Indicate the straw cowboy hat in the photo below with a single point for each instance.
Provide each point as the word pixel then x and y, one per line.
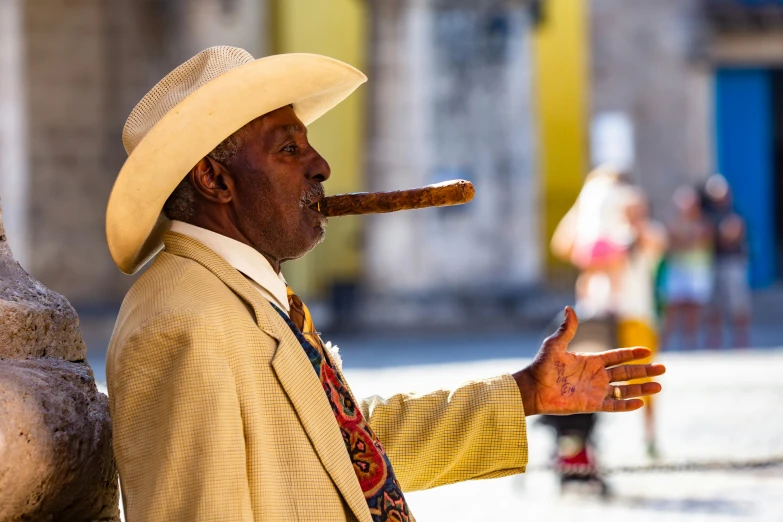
pixel 192 110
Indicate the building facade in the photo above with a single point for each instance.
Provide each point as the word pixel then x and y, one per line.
pixel 700 83
pixel 450 97
pixel 504 93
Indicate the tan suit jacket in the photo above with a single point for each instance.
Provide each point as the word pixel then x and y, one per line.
pixel 218 414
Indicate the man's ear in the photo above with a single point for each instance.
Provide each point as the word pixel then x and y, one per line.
pixel 212 181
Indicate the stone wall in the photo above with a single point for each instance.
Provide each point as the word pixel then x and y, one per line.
pixel 73 73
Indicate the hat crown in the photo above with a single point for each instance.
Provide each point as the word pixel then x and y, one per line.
pixel 178 85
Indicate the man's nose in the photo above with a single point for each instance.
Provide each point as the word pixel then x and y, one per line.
pixel 319 168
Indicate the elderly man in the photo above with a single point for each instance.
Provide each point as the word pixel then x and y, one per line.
pixel 226 404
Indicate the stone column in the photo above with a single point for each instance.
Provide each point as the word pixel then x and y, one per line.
pixel 450 97
pixel 56 459
pixel 13 124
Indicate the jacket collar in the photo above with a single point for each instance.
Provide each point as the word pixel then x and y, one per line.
pixel 293 369
pixel 184 246
pixel 251 263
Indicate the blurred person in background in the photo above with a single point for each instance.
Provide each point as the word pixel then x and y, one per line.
pixel 595 236
pixel 637 318
pixel 689 268
pixel 731 296
pixel 609 236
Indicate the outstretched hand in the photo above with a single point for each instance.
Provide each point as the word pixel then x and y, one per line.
pixel 559 382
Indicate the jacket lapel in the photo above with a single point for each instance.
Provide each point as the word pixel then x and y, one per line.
pixel 293 369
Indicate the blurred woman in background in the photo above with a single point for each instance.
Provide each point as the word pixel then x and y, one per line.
pixel 595 237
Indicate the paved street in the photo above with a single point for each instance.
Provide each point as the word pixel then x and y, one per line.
pixel 715 406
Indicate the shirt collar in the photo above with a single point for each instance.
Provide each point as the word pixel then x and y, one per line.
pixel 243 257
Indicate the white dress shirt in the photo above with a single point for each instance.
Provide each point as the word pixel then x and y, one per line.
pixel 244 258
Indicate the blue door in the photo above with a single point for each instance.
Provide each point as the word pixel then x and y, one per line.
pixel 744 142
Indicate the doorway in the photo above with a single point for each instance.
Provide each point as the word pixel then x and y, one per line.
pixel 749 146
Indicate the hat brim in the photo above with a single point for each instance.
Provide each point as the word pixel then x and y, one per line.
pixel 312 84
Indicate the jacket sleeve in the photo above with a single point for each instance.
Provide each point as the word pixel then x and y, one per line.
pixel 178 436
pixel 476 431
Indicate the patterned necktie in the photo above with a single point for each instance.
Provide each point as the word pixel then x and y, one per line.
pixel 373 469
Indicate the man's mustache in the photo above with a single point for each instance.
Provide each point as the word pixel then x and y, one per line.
pixel 314 194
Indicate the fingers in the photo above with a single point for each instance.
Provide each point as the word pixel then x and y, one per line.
pixel 624 355
pixel 613 405
pixel 565 333
pixel 629 372
pixel 623 398
pixel 630 391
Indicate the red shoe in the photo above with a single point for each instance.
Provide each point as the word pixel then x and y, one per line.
pixel 575 458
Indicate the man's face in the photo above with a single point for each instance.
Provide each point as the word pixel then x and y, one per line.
pixel 278 175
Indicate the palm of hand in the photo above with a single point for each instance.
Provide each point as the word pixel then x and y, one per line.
pixel 568 382
pixel 559 382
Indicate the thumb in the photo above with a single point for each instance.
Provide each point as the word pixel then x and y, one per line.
pixel 565 333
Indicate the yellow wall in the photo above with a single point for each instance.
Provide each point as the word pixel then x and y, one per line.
pixel 335 28
pixel 561 52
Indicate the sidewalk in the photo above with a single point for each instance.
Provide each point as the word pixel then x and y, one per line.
pixel 715 406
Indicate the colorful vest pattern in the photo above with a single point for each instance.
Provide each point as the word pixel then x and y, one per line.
pixel 373 468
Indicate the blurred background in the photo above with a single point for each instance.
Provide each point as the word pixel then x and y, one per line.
pixel 524 98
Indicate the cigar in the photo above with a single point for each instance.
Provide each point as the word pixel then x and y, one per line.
pixel 446 194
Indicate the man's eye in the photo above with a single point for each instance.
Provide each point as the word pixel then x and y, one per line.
pixel 290 149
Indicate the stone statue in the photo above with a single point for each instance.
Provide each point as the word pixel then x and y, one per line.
pixel 56 459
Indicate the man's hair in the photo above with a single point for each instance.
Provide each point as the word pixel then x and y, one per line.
pixel 181 204
pixel 227 149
